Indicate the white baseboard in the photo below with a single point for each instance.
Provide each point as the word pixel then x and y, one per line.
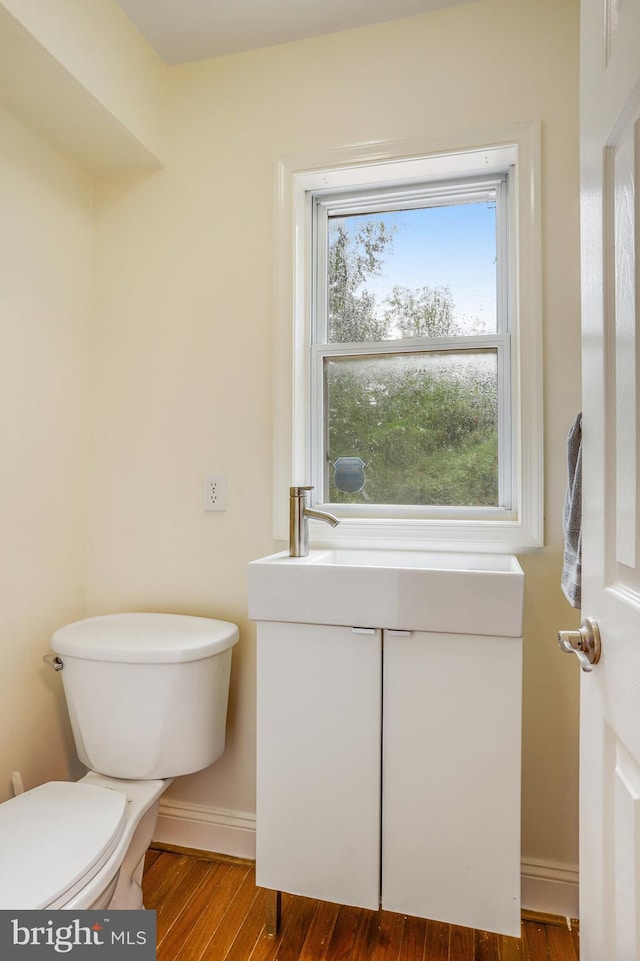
pixel 550 887
pixel 207 828
pixel 547 887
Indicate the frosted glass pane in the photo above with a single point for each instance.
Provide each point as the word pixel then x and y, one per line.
pixel 424 424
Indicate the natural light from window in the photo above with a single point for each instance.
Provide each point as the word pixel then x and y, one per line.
pixel 450 248
pixel 409 354
pixel 408 405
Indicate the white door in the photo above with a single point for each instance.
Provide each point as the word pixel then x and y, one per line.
pixel 610 696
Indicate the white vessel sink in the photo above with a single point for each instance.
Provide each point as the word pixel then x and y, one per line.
pixel 402 590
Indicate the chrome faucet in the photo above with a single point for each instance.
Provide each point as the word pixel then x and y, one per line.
pixel 299 512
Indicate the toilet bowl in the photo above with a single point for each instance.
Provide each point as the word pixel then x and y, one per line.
pixel 147 700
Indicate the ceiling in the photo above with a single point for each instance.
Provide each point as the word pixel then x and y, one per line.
pixel 185 30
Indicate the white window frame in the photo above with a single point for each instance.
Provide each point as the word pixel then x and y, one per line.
pixel 465 155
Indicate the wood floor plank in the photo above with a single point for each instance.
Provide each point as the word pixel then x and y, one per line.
pixel 366 937
pixel 196 939
pixel 534 936
pixel 176 898
pixel 152 855
pixel 436 943
pixel 251 929
pixel 461 943
pixel 295 929
pixel 487 946
pixel 575 937
pixel 212 895
pixel 155 876
pixel 164 875
pixel 511 949
pixel 344 933
pixel 297 916
pixel 389 937
pixel 223 937
pixel 414 934
pixel 318 937
pixel 267 947
pixel 561 946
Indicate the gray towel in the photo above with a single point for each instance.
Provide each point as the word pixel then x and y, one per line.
pixel 572 518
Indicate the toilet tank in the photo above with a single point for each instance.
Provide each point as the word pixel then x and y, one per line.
pixel 147 693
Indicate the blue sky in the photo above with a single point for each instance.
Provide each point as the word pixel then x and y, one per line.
pixel 453 246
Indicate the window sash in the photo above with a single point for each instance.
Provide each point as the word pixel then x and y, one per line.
pixel 325 204
pixel 501 343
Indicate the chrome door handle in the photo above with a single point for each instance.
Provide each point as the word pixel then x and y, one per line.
pixel 585 643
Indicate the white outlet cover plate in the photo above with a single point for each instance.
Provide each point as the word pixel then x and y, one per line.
pixel 214 492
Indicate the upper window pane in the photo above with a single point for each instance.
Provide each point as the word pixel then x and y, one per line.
pixel 427 271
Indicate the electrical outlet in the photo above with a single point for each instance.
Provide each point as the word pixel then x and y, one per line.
pixel 214 494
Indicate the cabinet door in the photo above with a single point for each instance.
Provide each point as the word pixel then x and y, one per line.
pixel 451 779
pixel 319 729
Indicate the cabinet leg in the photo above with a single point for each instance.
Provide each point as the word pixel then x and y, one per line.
pixel 273 912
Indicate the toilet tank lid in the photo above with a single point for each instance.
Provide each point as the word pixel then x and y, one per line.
pixel 145 638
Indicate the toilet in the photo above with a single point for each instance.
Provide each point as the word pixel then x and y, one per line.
pixel 147 700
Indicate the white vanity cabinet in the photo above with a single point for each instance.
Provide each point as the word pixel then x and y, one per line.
pixel 389 770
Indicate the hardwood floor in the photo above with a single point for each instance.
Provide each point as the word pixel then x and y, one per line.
pixel 211 910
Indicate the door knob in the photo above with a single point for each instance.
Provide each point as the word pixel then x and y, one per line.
pixel 585 643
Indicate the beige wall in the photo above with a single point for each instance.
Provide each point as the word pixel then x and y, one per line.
pixel 184 274
pixel 83 74
pixel 45 257
pixel 177 379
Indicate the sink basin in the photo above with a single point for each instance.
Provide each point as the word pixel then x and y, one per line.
pixel 422 560
pixel 458 593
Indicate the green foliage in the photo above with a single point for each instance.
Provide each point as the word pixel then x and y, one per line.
pixel 352 308
pixel 425 312
pixel 427 436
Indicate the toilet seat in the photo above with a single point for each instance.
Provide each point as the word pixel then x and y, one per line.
pixel 54 839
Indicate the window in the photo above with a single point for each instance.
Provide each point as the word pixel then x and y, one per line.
pixel 410 356
pixel 408 360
